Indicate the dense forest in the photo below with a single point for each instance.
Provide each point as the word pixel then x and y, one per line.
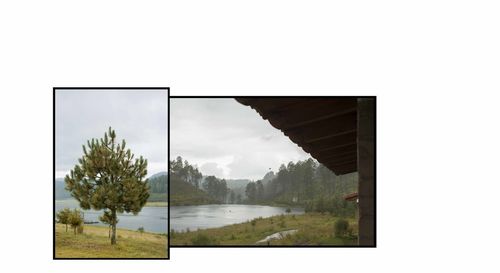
pixel 158 188
pixel 304 183
pixel 185 183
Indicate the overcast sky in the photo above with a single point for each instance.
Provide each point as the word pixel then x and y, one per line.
pixel 227 139
pixel 139 117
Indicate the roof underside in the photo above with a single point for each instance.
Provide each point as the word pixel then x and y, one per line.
pixel 323 127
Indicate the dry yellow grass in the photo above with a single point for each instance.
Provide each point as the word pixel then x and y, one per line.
pixel 94 243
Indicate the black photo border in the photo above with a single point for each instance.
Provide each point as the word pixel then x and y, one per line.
pixel 97 89
pixel 286 97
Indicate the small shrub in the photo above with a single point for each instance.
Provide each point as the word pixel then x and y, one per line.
pixel 201 240
pixel 253 222
pixel 288 210
pixel 140 230
pixel 75 219
pixel 341 227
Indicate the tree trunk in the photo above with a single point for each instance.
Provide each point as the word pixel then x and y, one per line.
pixel 113 227
pixel 66 227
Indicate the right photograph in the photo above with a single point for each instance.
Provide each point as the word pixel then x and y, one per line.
pixel 272 171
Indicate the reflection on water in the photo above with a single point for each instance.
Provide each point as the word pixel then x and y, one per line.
pixel 153 219
pixel 210 216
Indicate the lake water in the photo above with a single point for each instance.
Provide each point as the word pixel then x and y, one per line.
pixel 153 219
pixel 211 216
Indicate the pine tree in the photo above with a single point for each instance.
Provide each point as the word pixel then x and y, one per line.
pixel 75 219
pixel 63 217
pixel 107 219
pixel 108 178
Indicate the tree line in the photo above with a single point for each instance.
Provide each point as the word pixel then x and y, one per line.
pixel 309 184
pixel 215 188
pixel 304 183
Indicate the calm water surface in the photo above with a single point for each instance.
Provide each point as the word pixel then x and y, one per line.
pixel 153 219
pixel 211 216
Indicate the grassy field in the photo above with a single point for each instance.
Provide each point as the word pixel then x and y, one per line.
pixel 94 243
pixel 156 204
pixel 313 229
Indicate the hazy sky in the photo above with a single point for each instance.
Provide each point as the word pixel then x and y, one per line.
pixel 227 139
pixel 139 117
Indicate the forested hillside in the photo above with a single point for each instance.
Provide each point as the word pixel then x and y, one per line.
pixel 304 183
pixel 158 187
pixel 183 193
pixel 186 184
pixel 309 184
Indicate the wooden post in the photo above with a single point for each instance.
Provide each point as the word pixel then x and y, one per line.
pixel 366 171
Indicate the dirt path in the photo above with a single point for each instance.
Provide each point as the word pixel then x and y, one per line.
pixel 277 236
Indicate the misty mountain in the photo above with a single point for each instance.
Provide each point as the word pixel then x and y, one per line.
pixel 238 186
pixel 237 183
pixel 61 193
pixel 158 175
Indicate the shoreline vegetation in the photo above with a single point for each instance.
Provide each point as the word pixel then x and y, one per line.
pixel 93 242
pixel 313 228
pixel 329 219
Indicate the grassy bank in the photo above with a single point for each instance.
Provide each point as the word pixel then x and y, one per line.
pixel 94 243
pixel 313 229
pixel 156 204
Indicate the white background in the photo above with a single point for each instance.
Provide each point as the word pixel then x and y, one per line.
pixel 434 66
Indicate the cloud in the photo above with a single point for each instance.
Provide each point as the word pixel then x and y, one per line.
pixel 212 168
pixel 139 117
pixel 230 135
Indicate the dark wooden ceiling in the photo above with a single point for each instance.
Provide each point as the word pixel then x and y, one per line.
pixel 323 127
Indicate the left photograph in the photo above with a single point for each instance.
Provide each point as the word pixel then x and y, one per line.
pixel 110 173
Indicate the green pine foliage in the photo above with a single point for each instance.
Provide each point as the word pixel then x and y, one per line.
pixel 216 188
pixel 186 186
pixel 108 178
pixel 63 217
pixel 313 186
pixel 75 219
pixel 183 193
